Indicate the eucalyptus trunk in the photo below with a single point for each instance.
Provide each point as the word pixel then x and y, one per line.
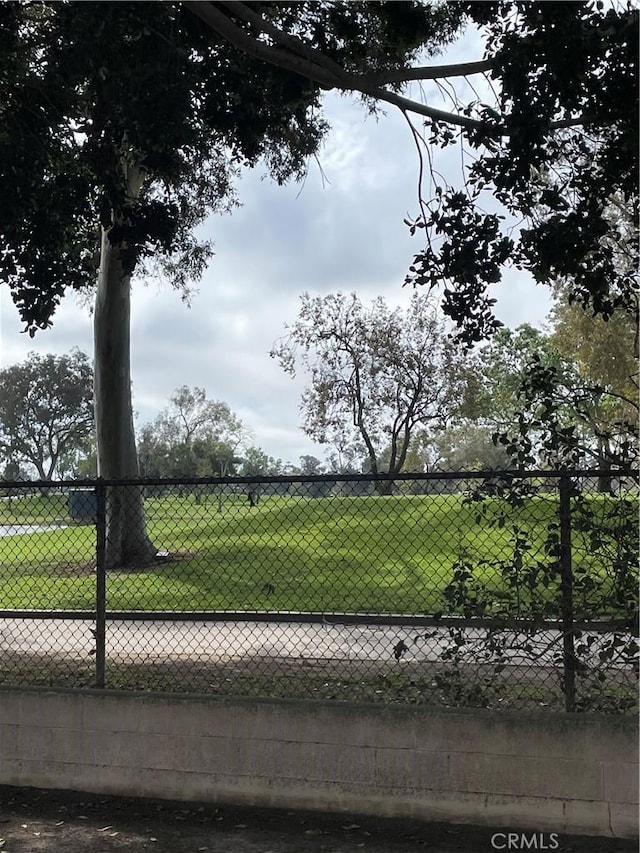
pixel 605 481
pixel 127 542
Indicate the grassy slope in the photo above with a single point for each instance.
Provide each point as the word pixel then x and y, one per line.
pixel 367 554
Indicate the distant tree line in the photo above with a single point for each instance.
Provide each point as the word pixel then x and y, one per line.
pixel 47 429
pixel 388 391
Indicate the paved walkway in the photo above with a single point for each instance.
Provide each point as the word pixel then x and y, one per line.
pixel 224 639
pixel 21 529
pixel 227 640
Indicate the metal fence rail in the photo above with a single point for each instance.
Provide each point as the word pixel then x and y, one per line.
pixel 506 589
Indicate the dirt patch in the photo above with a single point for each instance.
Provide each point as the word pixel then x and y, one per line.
pixel 73 570
pixel 84 569
pixel 416 683
pixel 34 821
pixel 162 558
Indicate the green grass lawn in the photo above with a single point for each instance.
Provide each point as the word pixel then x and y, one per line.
pixel 363 554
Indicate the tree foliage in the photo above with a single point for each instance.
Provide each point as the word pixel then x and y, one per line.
pixel 192 437
pixel 256 462
pixel 553 137
pixel 605 352
pixel 557 142
pixel 558 145
pixel 46 411
pixel 544 408
pixel 376 374
pixel 504 365
pixel 469 447
pixel 88 89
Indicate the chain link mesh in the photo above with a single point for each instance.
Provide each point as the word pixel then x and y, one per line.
pixel 464 590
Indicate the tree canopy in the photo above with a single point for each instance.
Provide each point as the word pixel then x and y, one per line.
pixel 192 437
pixel 556 148
pixel 91 92
pixel 46 412
pixel 553 138
pixel 545 406
pixel 376 374
pixel 605 352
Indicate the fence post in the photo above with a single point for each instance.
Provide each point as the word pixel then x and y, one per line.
pixel 566 595
pixel 101 582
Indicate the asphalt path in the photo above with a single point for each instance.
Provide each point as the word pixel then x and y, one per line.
pixel 21 529
pixel 218 641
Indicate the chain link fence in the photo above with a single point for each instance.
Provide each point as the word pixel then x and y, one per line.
pixel 505 590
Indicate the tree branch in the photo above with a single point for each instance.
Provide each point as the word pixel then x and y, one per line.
pixel 430 72
pixel 221 24
pixel 241 10
pixel 312 64
pixel 320 70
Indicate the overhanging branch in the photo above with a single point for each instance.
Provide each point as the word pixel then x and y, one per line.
pixel 320 69
pixel 221 24
pixel 293 54
pixel 431 72
pixel 292 43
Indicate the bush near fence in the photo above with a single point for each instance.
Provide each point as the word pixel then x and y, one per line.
pixel 498 590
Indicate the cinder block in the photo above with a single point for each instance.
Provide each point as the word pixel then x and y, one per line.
pixel 355 765
pixel 526 813
pixel 85 748
pixel 49 773
pixel 526 776
pixel 531 734
pixel 396 769
pixel 206 754
pixel 112 713
pixel 430 771
pixel 530 771
pixel 119 748
pixel 263 724
pixel 458 733
pixel 315 762
pixel 623 820
pixel 9 740
pixel 366 730
pixel 10 709
pixel 13 772
pixel 620 782
pixel 43 743
pixel 39 708
pixel 320 764
pixel 178 716
pixel 164 751
pixel 585 818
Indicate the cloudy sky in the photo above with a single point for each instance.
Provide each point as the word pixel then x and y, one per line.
pixel 341 230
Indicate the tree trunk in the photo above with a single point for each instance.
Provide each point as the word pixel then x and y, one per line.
pixel 384 487
pixel 605 481
pixel 127 543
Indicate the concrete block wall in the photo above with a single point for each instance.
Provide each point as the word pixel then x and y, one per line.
pixel 529 771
